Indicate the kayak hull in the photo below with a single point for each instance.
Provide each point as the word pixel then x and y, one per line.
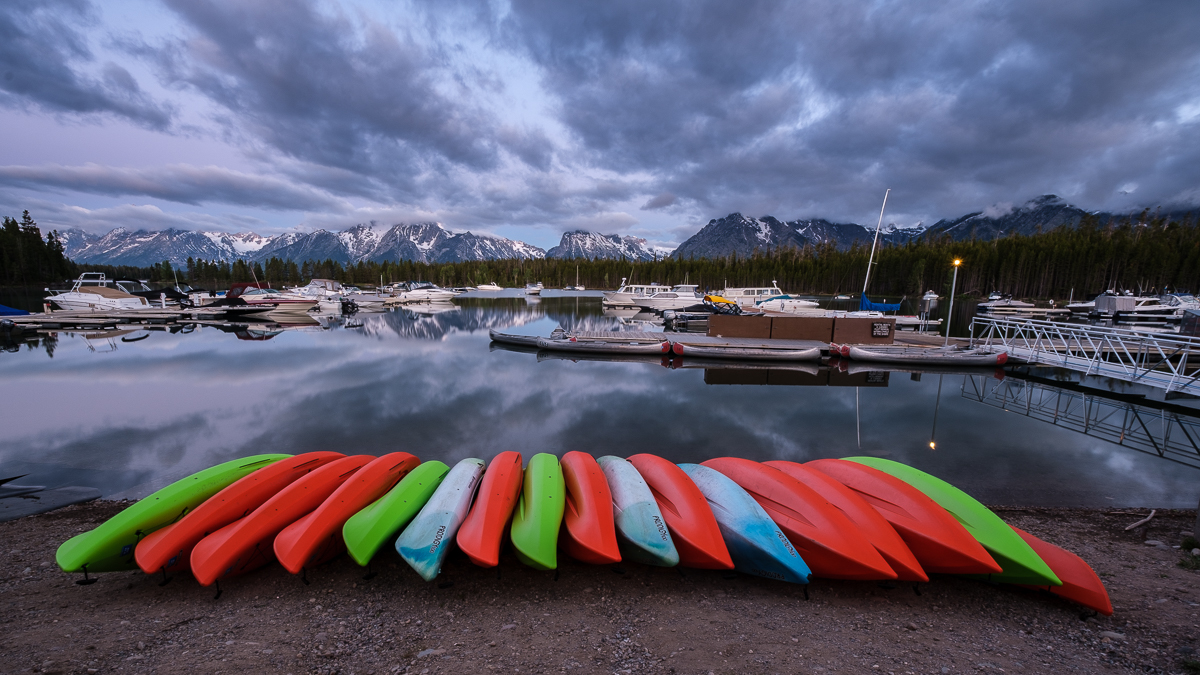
pixel 482 533
pixel 247 544
pixel 588 532
pixel 756 544
pixel 426 541
pixel 642 533
pixel 110 547
pixel 1080 584
pixel 693 528
pixel 829 543
pixel 873 526
pixel 170 548
pixel 539 513
pixel 937 540
pixel 317 537
pixel 368 530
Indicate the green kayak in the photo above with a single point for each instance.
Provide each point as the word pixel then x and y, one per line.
pixel 1019 562
pixel 109 548
pixel 539 513
pixel 379 522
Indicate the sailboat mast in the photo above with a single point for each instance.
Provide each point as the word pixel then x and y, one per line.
pixel 871 261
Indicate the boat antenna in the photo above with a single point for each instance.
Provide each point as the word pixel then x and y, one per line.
pixel 871 261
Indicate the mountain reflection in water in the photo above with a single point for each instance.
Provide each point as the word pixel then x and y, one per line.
pixel 427 380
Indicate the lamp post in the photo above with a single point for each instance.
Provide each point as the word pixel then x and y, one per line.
pixel 953 285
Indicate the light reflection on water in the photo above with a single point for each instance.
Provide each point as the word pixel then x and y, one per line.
pixel 130 413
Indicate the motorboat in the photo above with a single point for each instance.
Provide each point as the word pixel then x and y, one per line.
pixel 678 297
pixel 627 293
pixel 787 305
pixel 751 296
pixel 1003 302
pixel 422 291
pixel 534 289
pixel 1128 305
pixel 489 287
pixel 93 292
pixel 1179 302
pixel 141 288
pixel 256 298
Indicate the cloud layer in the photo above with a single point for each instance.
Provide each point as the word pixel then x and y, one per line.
pixel 641 118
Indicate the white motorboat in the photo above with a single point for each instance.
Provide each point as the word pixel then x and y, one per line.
pixel 751 296
pixel 1179 302
pixel 534 289
pixel 1128 305
pixel 683 295
pixel 1003 302
pixel 92 292
pixel 627 293
pixel 489 287
pixel 787 305
pixel 320 288
pixel 423 291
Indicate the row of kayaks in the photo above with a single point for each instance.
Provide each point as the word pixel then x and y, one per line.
pixel 857 518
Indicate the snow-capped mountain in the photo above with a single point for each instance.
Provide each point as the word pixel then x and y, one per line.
pixel 143 248
pixel 738 234
pixel 592 246
pixel 1044 213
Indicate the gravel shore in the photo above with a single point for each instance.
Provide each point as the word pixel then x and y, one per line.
pixel 624 619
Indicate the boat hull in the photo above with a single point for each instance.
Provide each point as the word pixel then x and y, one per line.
pixel 746 353
pixel 589 347
pixel 426 541
pixel 642 533
pixel 693 528
pixel 482 533
pixel 589 532
pixel 539 513
pixel 368 530
pixel 931 357
pixel 1080 584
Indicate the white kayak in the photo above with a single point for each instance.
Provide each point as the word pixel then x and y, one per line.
pixel 755 542
pixel 939 357
pixel 427 539
pixel 642 533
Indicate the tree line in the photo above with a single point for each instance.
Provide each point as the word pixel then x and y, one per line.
pixel 1140 253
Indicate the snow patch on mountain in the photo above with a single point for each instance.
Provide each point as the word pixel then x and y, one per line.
pixel 593 246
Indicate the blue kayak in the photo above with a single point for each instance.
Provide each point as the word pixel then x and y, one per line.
pixel 642 533
pixel 427 539
pixel 755 542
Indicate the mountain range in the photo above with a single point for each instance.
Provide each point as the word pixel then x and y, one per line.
pixel 432 243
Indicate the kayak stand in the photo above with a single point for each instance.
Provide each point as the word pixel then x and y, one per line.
pixel 166 579
pixel 86 581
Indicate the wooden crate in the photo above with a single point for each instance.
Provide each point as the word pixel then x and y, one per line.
pixel 818 328
pixel 731 326
pixel 864 331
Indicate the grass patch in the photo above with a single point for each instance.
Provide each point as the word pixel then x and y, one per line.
pixel 1190 562
pixel 1189 543
pixel 1190 666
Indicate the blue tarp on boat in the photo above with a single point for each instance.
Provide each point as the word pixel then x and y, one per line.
pixel 865 305
pixel 9 311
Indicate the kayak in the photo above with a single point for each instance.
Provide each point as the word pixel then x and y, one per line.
pixel 747 353
pixel 317 537
pixel 824 537
pixel 910 355
pixel 1079 582
pixel 755 542
pixel 873 526
pixel 428 538
pixel 366 531
pixel 170 548
pixel 588 533
pixel 693 528
pixel 937 540
pixel 539 513
pixel 597 347
pixel 110 547
pixel 642 534
pixel 246 543
pixel 1019 562
pixel 483 531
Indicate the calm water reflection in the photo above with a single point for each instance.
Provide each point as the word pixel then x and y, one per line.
pixel 129 413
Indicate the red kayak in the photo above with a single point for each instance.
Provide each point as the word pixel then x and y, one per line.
pixel 938 541
pixel 170 549
pixel 873 526
pixel 317 537
pixel 483 530
pixel 1079 582
pixel 588 531
pixel 690 520
pixel 828 542
pixel 246 544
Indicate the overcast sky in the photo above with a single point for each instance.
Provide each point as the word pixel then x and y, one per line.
pixel 531 117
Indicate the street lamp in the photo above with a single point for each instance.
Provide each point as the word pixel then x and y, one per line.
pixel 953 284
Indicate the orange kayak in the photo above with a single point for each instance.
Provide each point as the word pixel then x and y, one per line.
pixel 246 544
pixel 317 537
pixel 483 531
pixel 938 541
pixel 690 520
pixel 1080 584
pixel 828 542
pixel 170 549
pixel 873 526
pixel 589 533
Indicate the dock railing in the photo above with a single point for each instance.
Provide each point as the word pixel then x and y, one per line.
pixel 1153 359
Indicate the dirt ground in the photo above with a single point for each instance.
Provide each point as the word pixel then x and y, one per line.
pixel 624 619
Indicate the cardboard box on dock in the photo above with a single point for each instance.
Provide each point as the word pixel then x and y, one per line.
pixel 864 330
pixel 730 326
pixel 818 328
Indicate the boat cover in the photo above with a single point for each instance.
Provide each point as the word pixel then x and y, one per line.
pixel 9 311
pixel 865 305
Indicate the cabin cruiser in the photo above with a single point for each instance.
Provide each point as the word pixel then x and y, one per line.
pixel 1002 302
pixel 93 292
pixel 142 289
pixel 422 291
pixel 752 296
pixel 489 287
pixel 1127 305
pixel 257 298
pixel 678 297
pixel 534 289
pixel 627 293
pixel 787 305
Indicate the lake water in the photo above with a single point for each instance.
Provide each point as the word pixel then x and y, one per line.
pixel 130 412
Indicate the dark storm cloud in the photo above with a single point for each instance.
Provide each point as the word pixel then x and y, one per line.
pixel 177 183
pixel 814 104
pixel 43 45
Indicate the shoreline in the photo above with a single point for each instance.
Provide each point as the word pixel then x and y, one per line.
pixel 596 620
